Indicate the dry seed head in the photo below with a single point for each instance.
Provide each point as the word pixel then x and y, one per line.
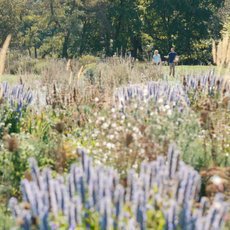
pixel 12 144
pixel 214 54
pixel 204 117
pixel 184 82
pixel 20 80
pixel 26 205
pixel 69 65
pixel 71 99
pixel 19 221
pixel 226 101
pixel 1 94
pixel 128 139
pixel 28 175
pixel 54 90
pixel 60 127
pixel 74 95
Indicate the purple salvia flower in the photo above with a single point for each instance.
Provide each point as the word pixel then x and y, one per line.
pixel 58 194
pixel 53 200
pixel 35 171
pixel 71 189
pixel 44 224
pixel 28 194
pixel 13 206
pixel 77 210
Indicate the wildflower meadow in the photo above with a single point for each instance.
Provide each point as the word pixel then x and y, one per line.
pixel 114 115
pixel 126 147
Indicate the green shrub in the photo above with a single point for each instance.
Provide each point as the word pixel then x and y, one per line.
pixel 88 59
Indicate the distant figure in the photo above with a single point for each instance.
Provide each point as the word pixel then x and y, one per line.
pixel 172 58
pixel 156 58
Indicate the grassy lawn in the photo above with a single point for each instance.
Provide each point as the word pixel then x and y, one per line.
pixel 195 69
pixel 14 79
pixel 180 70
pixel 10 78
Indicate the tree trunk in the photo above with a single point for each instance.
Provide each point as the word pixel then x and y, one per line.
pixel 136 46
pixel 82 43
pixel 29 52
pixel 65 46
pixel 35 53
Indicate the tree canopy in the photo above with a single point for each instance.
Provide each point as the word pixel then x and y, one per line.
pixel 70 28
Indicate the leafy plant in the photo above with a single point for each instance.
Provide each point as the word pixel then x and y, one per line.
pixel 14 104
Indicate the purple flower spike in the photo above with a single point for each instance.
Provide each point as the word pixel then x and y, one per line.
pixel 165 187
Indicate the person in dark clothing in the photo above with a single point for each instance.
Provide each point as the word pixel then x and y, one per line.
pixel 172 57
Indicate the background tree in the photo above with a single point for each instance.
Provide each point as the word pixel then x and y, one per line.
pixel 72 28
pixel 182 23
pixel 10 13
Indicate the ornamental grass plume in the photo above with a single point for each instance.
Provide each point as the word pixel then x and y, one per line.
pixel 80 72
pixel 3 53
pixel 221 51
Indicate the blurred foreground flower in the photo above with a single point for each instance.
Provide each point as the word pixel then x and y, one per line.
pixel 161 196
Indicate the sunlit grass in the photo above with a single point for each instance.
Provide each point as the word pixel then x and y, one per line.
pixel 15 79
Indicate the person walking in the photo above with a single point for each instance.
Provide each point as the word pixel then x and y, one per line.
pixel 156 58
pixel 172 58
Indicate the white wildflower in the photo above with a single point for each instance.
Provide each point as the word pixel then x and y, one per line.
pixel 169 112
pixel 114 125
pixel 167 107
pixel 110 145
pixel 105 125
pixel 141 108
pixel 160 100
pixel 216 180
pixel 113 110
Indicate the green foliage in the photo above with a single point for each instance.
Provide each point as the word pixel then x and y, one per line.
pixel 88 59
pixel 6 222
pixel 182 24
pixel 10 119
pixel 155 219
pixel 14 166
pixel 10 17
pixel 19 63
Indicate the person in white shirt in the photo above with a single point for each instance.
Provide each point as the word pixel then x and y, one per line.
pixel 156 58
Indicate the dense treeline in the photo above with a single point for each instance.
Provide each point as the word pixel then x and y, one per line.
pixel 70 28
